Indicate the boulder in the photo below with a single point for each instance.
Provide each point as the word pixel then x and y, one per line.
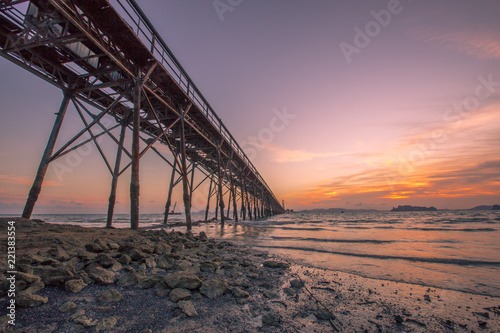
pixel 27 300
pixel 150 262
pixel 86 255
pixel 162 248
pixel 102 276
pixel 124 259
pixel 97 246
pixel 75 285
pixel 203 236
pixel 213 288
pixel 162 262
pixel 106 324
pixel 239 293
pixel 110 295
pixel 53 276
pixel 149 282
pixel 105 260
pixel 296 283
pixel 129 279
pixel 179 294
pixel 136 254
pixel 187 308
pixel 185 280
pixel 59 253
pixel 67 307
pixel 28 278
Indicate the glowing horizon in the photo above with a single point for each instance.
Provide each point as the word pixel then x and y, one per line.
pixel 411 117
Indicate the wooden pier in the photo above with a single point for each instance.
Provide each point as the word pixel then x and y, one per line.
pixel 109 60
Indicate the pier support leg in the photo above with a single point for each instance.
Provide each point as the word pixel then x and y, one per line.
pixel 243 208
pixel 44 163
pixel 185 184
pixel 134 181
pixel 116 172
pixel 169 195
pixel 221 194
pixel 208 199
pixel 235 207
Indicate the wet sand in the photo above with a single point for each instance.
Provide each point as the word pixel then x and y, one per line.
pixel 118 280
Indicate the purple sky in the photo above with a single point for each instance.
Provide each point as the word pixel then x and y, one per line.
pixel 405 112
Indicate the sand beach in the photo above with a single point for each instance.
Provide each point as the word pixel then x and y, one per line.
pixel 71 278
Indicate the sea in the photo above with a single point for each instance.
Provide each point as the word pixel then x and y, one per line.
pixel 452 250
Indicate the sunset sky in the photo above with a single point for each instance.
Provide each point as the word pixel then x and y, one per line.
pixel 352 104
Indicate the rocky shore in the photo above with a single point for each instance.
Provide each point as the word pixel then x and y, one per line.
pixel 72 279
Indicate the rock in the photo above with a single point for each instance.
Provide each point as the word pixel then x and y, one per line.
pixel 203 236
pixel 253 275
pixel 53 276
pixel 74 286
pixel 85 321
pixel 106 324
pixel 28 278
pixel 324 315
pixel 136 254
pixel 246 262
pixel 162 248
pixel 398 319
pixel 124 259
pixel 59 253
pixel 179 294
pixel 129 279
pixel 26 300
pixel 289 291
pixel 149 282
pixel 162 292
pixel 105 260
pixel 74 264
pixel 111 295
pixel 112 245
pixel 77 314
pixel 68 306
pixel 296 283
pixel 213 288
pixel 188 308
pixel 116 267
pixel 34 287
pixel 271 294
pixel 163 263
pixel 102 276
pixel 269 319
pixel 275 264
pixel 86 255
pixel 96 246
pixel 185 280
pixel 150 262
pixel 239 293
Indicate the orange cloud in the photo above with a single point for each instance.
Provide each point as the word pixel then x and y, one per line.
pixel 9 179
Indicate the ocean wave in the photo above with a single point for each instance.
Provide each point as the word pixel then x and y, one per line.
pixel 449 261
pixel 328 240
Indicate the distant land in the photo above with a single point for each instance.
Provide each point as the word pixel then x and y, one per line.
pixel 404 208
pixel 486 207
pixel 335 210
pixel 409 208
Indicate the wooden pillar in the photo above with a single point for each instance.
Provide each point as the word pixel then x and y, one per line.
pixel 44 162
pixel 184 173
pixel 208 199
pixel 249 205
pixel 221 195
pixel 243 190
pixel 169 195
pixel 235 207
pixel 116 172
pixel 229 203
pixel 261 202
pixel 134 181
pixel 255 203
